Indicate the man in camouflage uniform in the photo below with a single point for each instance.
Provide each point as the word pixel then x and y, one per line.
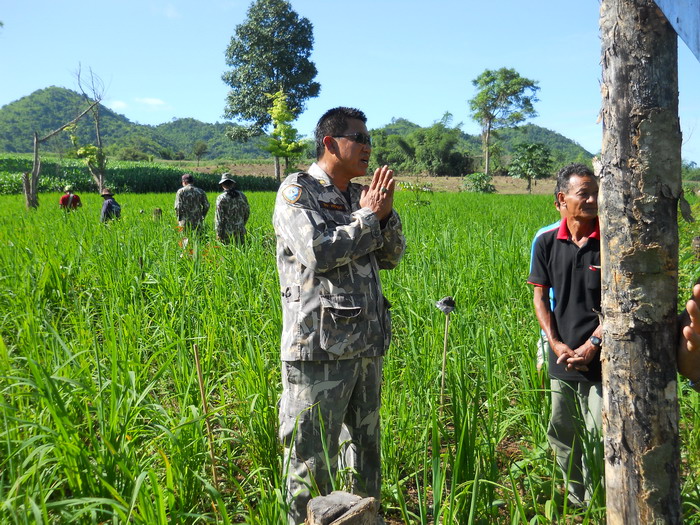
pixel 333 237
pixel 191 205
pixel 232 211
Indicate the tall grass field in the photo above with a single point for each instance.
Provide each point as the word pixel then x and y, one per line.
pixel 102 417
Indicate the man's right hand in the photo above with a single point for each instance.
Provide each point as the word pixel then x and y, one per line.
pixel 379 195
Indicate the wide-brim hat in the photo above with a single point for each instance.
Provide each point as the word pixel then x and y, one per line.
pixel 106 192
pixel 227 177
pixel 68 188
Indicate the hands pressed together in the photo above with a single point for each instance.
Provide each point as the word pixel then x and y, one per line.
pixel 379 195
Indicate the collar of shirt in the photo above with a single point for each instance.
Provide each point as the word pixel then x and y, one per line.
pixel 564 234
pixel 321 176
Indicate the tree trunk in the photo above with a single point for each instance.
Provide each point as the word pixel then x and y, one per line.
pixel 640 187
pixel 487 148
pixel 98 176
pixel 30 181
pixel 278 169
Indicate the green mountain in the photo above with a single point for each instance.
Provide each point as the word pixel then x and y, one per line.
pixel 563 149
pixel 48 109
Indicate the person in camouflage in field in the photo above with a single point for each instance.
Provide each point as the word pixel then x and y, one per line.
pixel 333 237
pixel 231 212
pixel 191 205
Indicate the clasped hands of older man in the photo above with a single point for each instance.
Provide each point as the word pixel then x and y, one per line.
pixel 688 354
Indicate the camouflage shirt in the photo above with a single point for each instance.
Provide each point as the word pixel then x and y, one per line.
pixel 191 206
pixel 329 255
pixel 232 212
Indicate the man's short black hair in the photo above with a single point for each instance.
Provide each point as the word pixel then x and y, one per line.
pixel 334 122
pixel 188 178
pixel 565 174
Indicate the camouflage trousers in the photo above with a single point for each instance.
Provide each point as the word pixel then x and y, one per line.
pixel 319 400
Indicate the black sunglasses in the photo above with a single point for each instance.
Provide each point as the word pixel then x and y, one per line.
pixel 360 138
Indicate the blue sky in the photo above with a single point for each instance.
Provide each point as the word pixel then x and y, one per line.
pixel 163 59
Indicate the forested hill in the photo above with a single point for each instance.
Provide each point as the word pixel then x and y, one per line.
pixel 48 109
pixel 563 149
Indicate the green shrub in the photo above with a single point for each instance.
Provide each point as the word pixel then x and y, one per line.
pixel 478 183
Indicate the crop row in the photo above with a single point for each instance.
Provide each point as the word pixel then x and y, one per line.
pixel 121 176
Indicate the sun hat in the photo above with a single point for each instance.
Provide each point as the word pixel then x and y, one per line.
pixel 226 177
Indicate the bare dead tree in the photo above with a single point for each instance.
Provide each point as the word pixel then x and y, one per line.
pixel 30 181
pixel 640 191
pixel 92 88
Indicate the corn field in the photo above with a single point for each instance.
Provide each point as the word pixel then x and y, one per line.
pixel 102 416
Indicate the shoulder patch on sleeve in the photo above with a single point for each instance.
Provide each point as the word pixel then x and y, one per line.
pixel 292 193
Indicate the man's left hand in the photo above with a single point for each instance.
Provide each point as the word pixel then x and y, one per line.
pixel 689 346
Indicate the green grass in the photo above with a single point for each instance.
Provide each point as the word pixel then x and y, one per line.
pixel 101 415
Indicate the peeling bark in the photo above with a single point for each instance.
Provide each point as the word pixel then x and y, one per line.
pixel 640 187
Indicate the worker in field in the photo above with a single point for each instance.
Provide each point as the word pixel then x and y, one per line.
pixel 191 205
pixel 567 259
pixel 231 212
pixel 69 201
pixel 333 237
pixel 110 207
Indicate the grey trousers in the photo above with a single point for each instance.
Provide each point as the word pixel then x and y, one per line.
pixel 575 435
pixel 319 398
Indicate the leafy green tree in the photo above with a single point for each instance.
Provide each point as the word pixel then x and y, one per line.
pixel 132 153
pixel 690 170
pixel 393 150
pixel 284 141
pixel 199 149
pixel 436 149
pixel 432 151
pixel 269 52
pixel 503 99
pixel 530 162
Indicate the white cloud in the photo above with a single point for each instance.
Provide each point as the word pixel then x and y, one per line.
pixel 153 103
